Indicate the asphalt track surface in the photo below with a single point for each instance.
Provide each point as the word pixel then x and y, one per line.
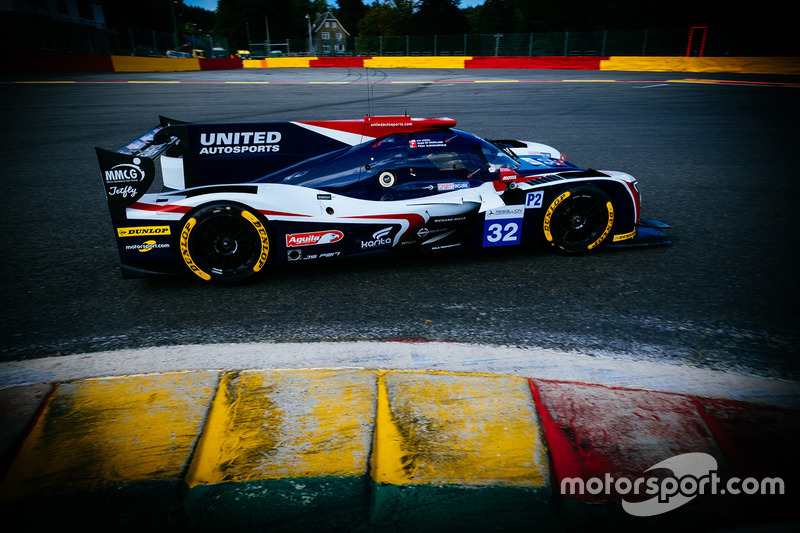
pixel 714 160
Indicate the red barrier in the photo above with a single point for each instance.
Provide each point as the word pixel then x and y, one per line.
pixel 562 62
pixel 225 63
pixel 54 62
pixel 341 62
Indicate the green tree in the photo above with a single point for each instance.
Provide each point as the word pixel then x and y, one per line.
pixel 441 17
pixel 146 14
pixel 387 17
pixel 504 16
pixel 349 13
pixel 286 19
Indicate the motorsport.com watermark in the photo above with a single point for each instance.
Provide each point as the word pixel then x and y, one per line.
pixel 694 474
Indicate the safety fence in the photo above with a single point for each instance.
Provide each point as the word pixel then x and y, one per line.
pixel 679 42
pixel 26 33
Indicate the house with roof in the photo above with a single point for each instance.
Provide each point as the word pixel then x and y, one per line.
pixel 330 37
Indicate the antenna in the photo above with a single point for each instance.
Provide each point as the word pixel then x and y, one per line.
pixel 369 94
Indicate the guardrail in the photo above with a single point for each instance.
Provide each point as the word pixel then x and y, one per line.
pixel 59 62
pixel 46 62
pixel 748 65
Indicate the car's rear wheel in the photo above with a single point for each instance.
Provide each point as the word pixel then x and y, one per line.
pixel 224 243
pixel 579 219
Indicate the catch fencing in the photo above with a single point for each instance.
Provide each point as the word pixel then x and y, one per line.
pixel 752 41
pixel 26 34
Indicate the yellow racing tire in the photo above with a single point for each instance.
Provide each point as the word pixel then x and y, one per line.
pixel 224 243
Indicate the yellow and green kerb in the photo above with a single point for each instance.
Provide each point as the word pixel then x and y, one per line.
pixel 311 449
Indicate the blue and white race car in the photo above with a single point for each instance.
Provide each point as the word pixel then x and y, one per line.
pixel 236 199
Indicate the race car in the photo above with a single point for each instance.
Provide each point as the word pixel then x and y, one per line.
pixel 236 199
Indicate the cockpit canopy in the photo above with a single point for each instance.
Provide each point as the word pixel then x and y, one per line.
pixel 401 165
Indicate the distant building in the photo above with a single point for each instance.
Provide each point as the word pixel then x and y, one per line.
pixel 330 37
pixel 53 25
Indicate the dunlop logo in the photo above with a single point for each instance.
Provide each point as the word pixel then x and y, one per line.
pixel 143 231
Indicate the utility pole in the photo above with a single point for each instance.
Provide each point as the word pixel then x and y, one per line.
pixel 174 23
pixel 497 44
pixel 269 48
pixel 310 44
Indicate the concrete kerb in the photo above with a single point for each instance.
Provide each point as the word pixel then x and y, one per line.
pixel 202 437
pixel 453 357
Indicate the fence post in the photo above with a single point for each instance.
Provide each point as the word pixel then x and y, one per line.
pixel 644 44
pixel 566 43
pixel 603 48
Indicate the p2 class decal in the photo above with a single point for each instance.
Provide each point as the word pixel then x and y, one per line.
pixel 503 226
pixel 126 178
pixel 533 200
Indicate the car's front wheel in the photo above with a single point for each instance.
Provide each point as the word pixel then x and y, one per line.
pixel 224 243
pixel 579 219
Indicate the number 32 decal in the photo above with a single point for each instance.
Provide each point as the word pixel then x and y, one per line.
pixel 503 226
pixel 498 234
pixel 502 232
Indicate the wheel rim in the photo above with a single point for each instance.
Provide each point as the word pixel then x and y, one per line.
pixel 581 221
pixel 225 245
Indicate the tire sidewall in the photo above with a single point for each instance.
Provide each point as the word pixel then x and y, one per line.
pixel 202 214
pixel 560 201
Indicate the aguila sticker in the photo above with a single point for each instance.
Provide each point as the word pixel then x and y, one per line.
pixel 314 238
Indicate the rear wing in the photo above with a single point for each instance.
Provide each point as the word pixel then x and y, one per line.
pixel 194 155
pixel 129 171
